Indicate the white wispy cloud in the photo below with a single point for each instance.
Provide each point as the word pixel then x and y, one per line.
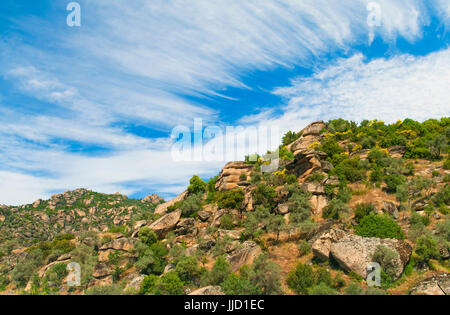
pixel 389 89
pixel 134 62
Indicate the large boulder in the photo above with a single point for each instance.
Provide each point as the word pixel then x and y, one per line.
pixel 155 199
pixel 162 208
pixel 318 203
pixel 391 208
pixel 435 285
pixel 122 244
pixel 353 253
pixel 101 271
pixel 314 188
pixel 186 226
pixel 166 224
pixel 321 244
pixel 244 256
pixel 305 163
pixel 230 176
pixel 397 151
pixel 309 136
pixel 211 290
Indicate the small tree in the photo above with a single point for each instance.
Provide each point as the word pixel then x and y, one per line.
pixel 197 186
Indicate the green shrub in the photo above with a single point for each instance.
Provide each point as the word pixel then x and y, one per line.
pixel 197 186
pixel 264 195
pixel 387 259
pixel 148 285
pixel 169 284
pixel 393 181
pixel 336 210
pixel 304 280
pixel 322 289
pixel 331 147
pixel 304 248
pixel 237 285
pixel 231 199
pixel 226 222
pixel 219 272
pixel 147 236
pixel 188 269
pixel 191 205
pixel 379 226
pixel 426 249
pixel 264 275
pixel 364 209
pixel 447 164
pixel 105 290
pixel 289 137
pixel 349 170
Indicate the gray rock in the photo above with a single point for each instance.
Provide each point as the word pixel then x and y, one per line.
pixel 435 285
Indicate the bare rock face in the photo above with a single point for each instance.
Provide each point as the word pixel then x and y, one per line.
pixel 166 224
pixel 306 162
pixel 321 244
pixel 155 199
pixel 204 215
pixel 318 203
pixel 397 151
pixel 135 282
pixel 162 208
pixel 309 136
pixel 230 177
pixel 248 201
pixel 435 285
pixel 244 256
pixel 391 208
pixel 283 208
pixel 123 244
pixel 354 253
pixel 233 234
pixel 186 226
pixel 211 290
pixel 314 188
pixel 101 271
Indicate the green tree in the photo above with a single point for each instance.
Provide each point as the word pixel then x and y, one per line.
pixel 380 226
pixel 197 186
pixel 169 284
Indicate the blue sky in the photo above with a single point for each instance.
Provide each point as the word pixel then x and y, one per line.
pixel 94 106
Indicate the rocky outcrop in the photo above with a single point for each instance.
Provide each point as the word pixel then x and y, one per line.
pixel 435 285
pixel 397 151
pixel 101 271
pixel 230 176
pixel 305 163
pixel 211 290
pixel 186 226
pixel 166 224
pixel 353 253
pixel 310 136
pixel 314 188
pixel 162 208
pixel 391 208
pixel 244 256
pixel 135 282
pixel 318 203
pixel 321 244
pixel 122 244
pixel 155 199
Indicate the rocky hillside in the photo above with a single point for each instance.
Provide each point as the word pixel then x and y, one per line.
pixel 345 196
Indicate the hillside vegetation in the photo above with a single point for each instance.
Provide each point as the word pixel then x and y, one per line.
pixel 345 195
